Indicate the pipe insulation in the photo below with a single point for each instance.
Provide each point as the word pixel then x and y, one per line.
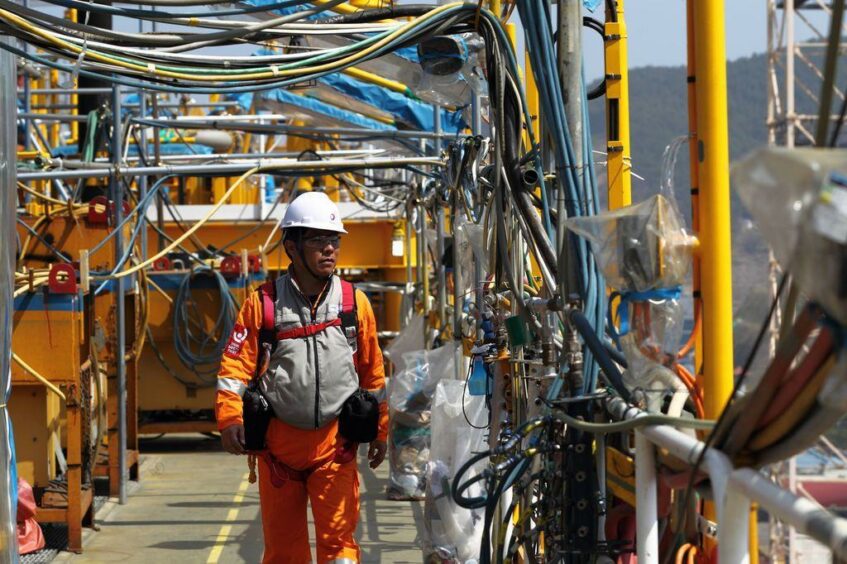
pixel 8 205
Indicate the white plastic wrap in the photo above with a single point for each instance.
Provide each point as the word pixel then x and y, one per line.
pixel 639 247
pixel 644 252
pixel 798 198
pixel 453 533
pixel 450 70
pixel 471 240
pixel 410 404
pixel 411 338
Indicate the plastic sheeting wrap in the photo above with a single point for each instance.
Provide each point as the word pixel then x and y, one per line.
pixel 644 252
pixel 798 198
pixel 411 338
pixel 459 426
pixel 450 70
pixel 410 403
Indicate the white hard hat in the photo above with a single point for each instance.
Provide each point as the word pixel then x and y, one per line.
pixel 313 210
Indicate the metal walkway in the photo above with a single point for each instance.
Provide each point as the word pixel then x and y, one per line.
pixel 194 505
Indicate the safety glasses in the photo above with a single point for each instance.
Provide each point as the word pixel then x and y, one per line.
pixel 321 241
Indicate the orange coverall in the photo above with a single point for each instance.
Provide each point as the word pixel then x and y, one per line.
pixel 332 488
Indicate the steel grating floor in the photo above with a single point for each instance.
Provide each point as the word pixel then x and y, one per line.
pixel 56 534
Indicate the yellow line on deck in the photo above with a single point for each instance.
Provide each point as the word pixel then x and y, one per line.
pixel 226 529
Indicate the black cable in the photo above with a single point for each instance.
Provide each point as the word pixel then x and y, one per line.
pixel 837 130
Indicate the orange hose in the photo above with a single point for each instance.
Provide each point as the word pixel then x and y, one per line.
pixel 680 553
pixel 692 553
pixel 695 331
pixel 693 389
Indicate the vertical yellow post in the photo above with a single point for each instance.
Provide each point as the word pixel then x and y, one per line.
pixel 55 99
pixel 532 101
pixel 715 229
pixel 619 161
pixel 72 15
pixel 496 8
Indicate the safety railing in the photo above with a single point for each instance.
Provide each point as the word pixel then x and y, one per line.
pixel 734 489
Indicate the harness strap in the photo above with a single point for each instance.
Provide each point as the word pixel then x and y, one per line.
pixel 348 297
pixel 268 293
pixel 281 473
pixel 307 330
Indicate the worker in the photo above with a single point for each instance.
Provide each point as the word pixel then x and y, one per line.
pixel 316 364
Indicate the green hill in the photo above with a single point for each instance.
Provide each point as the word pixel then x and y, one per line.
pixel 659 113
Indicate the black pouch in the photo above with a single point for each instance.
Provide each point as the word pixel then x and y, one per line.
pixel 257 417
pixel 359 418
pixel 257 412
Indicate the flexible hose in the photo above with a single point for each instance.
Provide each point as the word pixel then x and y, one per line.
pixel 198 349
pixel 608 367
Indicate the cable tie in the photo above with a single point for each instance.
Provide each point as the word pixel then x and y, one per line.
pixel 193 21
pixel 151 68
pixel 275 70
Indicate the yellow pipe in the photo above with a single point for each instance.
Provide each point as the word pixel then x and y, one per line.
pixel 73 15
pixel 532 101
pixel 619 160
pixel 754 533
pixel 496 8
pixel 39 377
pixel 713 177
pixel 372 78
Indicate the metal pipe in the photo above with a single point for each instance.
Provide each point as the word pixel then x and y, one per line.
pixel 223 103
pixel 803 514
pixel 115 186
pixel 8 205
pixel 830 70
pixel 790 117
pixel 224 122
pixel 277 165
pixel 276 155
pixel 646 501
pixel 142 179
pixel 70 91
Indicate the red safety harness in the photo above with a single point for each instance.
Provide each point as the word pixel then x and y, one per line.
pixel 280 473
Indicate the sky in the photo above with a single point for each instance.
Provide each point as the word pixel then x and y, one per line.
pixel 656 30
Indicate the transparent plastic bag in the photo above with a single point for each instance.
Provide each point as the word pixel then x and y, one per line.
pixel 410 404
pixel 470 238
pixel 644 251
pixel 655 331
pixel 450 70
pixel 411 338
pixel 639 247
pixel 798 198
pixel 459 425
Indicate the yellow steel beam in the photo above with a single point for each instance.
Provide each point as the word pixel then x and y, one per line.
pixel 619 161
pixel 713 182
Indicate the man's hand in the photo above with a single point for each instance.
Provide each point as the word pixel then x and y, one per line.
pixel 232 439
pixel 376 453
